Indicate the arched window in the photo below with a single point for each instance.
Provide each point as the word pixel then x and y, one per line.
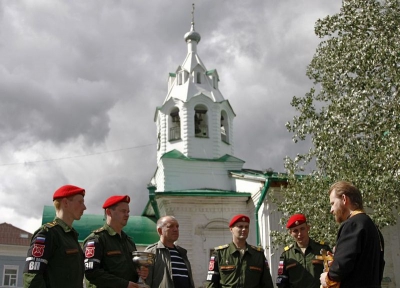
pixel 180 78
pixel 224 127
pixel 200 121
pixel 174 125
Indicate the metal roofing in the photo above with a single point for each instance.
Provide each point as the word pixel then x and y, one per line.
pixel 203 193
pixel 141 229
pixel 179 155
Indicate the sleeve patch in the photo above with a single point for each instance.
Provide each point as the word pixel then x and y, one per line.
pixel 40 240
pixel 211 264
pixel 38 250
pixel 89 251
pixel 280 267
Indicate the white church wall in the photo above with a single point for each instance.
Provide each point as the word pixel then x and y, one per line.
pixel 186 174
pixel 204 225
pixel 159 177
pixel 206 146
pixel 247 185
pixel 269 221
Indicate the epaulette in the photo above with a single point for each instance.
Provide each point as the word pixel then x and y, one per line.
pixel 98 230
pixel 323 243
pixel 51 224
pixel 221 247
pixel 288 247
pixel 257 248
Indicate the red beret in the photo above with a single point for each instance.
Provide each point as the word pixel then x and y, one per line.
pixel 296 220
pixel 68 190
pixel 239 218
pixel 115 200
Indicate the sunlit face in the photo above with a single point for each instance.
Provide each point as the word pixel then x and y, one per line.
pixel 240 230
pixel 338 209
pixel 76 206
pixel 300 234
pixel 169 231
pixel 119 215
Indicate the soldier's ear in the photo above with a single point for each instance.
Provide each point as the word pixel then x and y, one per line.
pixel 64 201
pixel 108 212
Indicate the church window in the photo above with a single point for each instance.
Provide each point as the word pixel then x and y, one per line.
pixel 181 78
pixel 175 125
pixel 200 121
pixel 224 127
pixel 198 77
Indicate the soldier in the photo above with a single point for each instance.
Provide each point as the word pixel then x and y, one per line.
pixel 298 265
pixel 239 264
pixel 55 258
pixel 108 250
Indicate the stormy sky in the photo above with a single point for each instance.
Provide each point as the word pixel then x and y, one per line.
pixel 80 82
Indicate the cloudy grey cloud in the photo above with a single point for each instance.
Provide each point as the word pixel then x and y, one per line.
pixel 80 82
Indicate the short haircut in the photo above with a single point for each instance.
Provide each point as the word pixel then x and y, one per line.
pixel 113 207
pixel 57 203
pixel 348 189
pixel 162 220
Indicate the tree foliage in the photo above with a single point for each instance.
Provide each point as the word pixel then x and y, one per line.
pixel 352 116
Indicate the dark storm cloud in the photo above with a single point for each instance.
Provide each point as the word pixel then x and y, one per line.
pixel 80 82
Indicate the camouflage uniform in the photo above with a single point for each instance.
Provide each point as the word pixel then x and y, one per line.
pixel 298 270
pixel 227 268
pixel 55 258
pixel 108 259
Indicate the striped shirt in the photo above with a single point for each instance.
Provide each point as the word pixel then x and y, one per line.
pixel 180 273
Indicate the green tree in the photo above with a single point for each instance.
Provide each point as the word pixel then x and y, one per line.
pixel 352 116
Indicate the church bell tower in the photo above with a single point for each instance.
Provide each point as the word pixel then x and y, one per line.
pixel 194 124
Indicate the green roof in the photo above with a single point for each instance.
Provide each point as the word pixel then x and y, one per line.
pixel 175 154
pixel 141 229
pixel 262 174
pixel 203 193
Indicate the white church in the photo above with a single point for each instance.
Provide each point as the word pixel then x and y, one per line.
pixel 200 181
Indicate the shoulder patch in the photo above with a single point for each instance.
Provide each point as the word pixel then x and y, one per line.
pixel 257 248
pixel 222 247
pixel 322 242
pixel 288 247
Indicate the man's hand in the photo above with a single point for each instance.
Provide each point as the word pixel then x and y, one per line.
pixel 132 285
pixel 330 254
pixel 322 279
pixel 143 272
